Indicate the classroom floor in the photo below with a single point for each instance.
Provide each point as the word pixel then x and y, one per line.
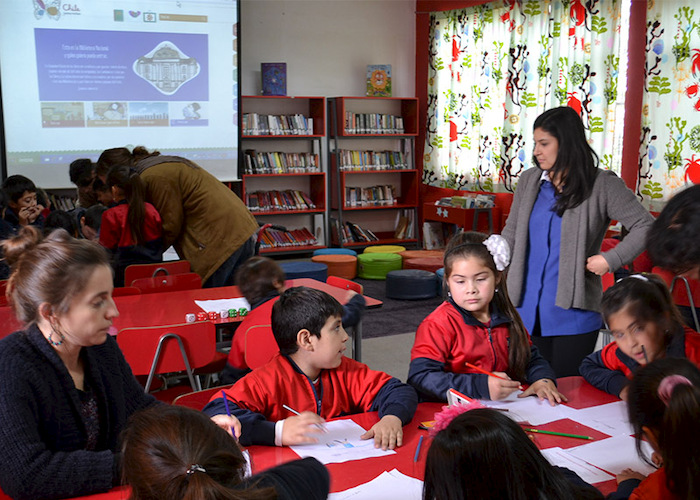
pixel 390 354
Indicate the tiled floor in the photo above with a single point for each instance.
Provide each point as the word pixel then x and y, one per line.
pixel 390 354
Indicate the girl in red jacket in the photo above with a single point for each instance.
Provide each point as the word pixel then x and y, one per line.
pixel 664 408
pixel 645 325
pixel 132 230
pixel 477 326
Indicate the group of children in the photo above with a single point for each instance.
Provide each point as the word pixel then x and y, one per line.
pixel 116 214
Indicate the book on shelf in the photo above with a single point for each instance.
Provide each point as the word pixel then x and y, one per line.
pixel 371 160
pixel 437 234
pixel 257 124
pixel 277 162
pixel 359 234
pixel 274 78
pixel 379 80
pixel 65 203
pixel 373 123
pixel 370 196
pixel 405 224
pixel 266 201
pixel 275 238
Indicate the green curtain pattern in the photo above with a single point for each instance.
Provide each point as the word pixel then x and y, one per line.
pixel 669 158
pixel 495 67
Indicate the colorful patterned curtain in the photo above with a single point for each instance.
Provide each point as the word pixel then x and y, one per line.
pixel 670 141
pixel 495 67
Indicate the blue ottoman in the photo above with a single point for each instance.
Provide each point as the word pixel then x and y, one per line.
pixel 303 269
pixel 411 284
pixel 335 251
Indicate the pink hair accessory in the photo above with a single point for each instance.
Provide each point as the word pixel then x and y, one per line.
pixel 668 384
pixel 449 413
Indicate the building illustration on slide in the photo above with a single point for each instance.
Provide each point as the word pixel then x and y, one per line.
pixel 166 67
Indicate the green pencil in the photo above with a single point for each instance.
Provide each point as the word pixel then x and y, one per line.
pixel 564 434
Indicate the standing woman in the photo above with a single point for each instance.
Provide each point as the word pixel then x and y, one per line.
pixel 132 230
pixel 560 213
pixel 66 390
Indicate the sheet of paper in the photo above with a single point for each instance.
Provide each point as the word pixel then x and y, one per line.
pixel 610 418
pixel 614 455
pixel 341 443
pixel 587 472
pixel 391 485
pixel 218 305
pixel 530 409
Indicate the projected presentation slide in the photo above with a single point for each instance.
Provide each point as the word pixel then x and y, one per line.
pixel 83 76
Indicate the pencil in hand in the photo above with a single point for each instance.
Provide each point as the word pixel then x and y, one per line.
pixel 490 374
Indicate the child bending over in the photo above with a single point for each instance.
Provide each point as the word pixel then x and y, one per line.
pixel 261 280
pixel 478 325
pixel 645 325
pixel 311 375
pixel 664 408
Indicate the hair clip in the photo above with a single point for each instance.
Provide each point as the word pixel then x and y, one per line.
pixel 668 384
pixel 195 468
pixel 449 413
pixel 499 249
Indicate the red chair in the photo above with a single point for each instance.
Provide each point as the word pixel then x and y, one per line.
pixel 3 297
pixel 260 345
pixel 345 284
pixel 137 271
pixel 169 283
pixel 158 350
pixel 682 295
pixel 122 291
pixel 198 400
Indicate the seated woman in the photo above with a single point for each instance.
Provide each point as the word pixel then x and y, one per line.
pixel 176 453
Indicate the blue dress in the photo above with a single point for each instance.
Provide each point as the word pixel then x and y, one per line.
pixel 542 275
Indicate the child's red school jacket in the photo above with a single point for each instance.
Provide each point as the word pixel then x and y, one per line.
pixel 449 338
pixel 257 399
pixel 652 488
pixel 610 369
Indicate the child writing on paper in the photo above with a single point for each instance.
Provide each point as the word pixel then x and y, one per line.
pixel 177 453
pixel 477 324
pixel 311 375
pixel 645 325
pixel 261 281
pixel 482 454
pixel 664 408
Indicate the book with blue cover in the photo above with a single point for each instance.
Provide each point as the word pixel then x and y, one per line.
pixel 274 78
pixel 379 80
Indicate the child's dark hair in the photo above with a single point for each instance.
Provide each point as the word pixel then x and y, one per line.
pixel 93 216
pixel 16 185
pixel 482 454
pixel 81 172
pixel 129 181
pixel 59 219
pixel 471 244
pixel 646 298
pixel 258 277
pixel 99 186
pixel 178 453
pixel 301 308
pixel 664 396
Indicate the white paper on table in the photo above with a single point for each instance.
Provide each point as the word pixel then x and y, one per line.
pixel 218 305
pixel 340 443
pixel 611 419
pixel 615 454
pixel 530 409
pixel 587 472
pixel 386 486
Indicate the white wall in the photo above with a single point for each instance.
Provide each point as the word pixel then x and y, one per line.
pixel 327 44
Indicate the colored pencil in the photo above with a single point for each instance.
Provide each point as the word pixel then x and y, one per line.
pixel 420 442
pixel 490 374
pixel 228 410
pixel 288 408
pixel 564 434
pixel 644 351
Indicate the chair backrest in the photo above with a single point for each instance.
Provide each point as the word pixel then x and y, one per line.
pixel 137 271
pixel 197 400
pixel 3 289
pixel 170 348
pixel 121 291
pixel 260 345
pixel 345 284
pixel 171 283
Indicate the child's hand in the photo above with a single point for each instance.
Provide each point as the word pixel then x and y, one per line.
pixel 501 389
pixel 544 388
pixel 623 393
pixel 657 459
pixel 387 433
pixel 229 424
pixel 300 429
pixel 629 474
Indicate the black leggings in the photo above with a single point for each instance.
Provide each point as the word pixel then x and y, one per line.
pixel 565 352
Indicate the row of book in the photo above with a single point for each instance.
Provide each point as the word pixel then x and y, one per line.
pixel 405 224
pixel 277 162
pixel 372 160
pixel 370 196
pixel 62 202
pixel 267 201
pixel 257 124
pixel 274 238
pixel 351 232
pixel 468 201
pixel 373 123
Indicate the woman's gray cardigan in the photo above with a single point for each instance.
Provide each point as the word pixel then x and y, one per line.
pixel 582 231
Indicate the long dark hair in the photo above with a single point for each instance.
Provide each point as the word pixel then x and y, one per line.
pixel 576 161
pixel 162 443
pixel 484 455
pixel 647 299
pixel 673 418
pixel 121 156
pixel 129 181
pixel 471 244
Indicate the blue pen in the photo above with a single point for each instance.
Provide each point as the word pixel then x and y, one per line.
pixel 420 442
pixel 228 410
